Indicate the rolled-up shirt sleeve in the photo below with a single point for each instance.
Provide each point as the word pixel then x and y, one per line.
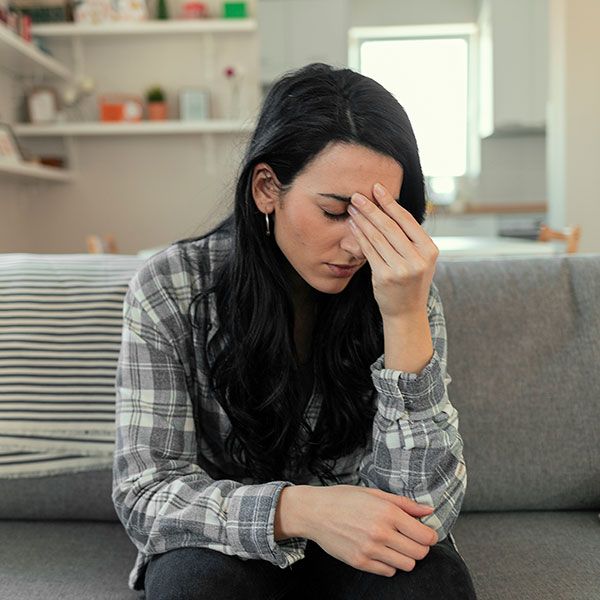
pixel 163 498
pixel 416 449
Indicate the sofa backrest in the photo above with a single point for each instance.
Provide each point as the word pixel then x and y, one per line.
pixel 524 356
pixel 523 353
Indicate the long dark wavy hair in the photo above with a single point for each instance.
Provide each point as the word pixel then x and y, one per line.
pixel 255 377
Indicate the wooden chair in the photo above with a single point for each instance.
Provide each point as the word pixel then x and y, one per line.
pixel 101 245
pixel 570 234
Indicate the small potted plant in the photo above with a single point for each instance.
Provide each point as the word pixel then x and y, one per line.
pixel 157 106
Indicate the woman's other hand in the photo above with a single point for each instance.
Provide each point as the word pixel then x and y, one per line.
pixel 369 529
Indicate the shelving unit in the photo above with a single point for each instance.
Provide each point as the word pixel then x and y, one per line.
pixel 207 129
pixel 23 59
pixel 78 32
pixel 138 128
pixel 154 27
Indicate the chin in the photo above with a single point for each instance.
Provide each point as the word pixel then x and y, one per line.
pixel 333 285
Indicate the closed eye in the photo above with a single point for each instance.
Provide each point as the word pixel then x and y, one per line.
pixel 336 216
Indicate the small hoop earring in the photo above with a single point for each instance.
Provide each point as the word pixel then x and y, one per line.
pixel 268 226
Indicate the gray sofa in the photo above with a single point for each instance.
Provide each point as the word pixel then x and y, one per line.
pixel 524 356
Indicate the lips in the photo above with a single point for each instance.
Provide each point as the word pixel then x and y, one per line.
pixel 342 271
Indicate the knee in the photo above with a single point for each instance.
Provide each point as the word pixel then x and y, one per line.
pixel 194 574
pixel 450 571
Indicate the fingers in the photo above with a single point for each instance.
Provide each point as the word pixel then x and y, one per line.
pixel 372 255
pixel 403 217
pixel 378 568
pixel 404 545
pixel 407 524
pixel 415 530
pixel 397 560
pixel 407 504
pixel 381 232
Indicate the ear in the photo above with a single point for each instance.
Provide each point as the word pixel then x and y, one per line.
pixel 264 187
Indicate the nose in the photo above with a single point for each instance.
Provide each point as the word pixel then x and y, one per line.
pixel 350 244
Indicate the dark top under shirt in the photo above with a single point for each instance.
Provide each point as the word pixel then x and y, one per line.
pixel 306 373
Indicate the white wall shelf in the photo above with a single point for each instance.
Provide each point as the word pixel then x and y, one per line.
pixel 35 171
pixel 172 26
pixel 24 59
pixel 138 128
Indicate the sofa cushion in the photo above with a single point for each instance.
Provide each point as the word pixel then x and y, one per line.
pixel 532 555
pixel 60 334
pixel 65 560
pixel 73 496
pixel 523 352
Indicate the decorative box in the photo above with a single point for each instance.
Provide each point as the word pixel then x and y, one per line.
pixel 194 104
pixel 234 10
pixel 120 107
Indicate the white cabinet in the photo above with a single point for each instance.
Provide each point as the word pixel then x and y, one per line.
pixel 298 32
pixel 513 66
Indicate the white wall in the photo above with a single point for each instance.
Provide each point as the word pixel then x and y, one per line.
pixel 366 13
pixel 574 123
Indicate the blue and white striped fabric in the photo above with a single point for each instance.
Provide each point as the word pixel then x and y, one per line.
pixel 60 334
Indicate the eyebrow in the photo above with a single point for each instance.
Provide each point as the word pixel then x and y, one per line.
pixel 343 198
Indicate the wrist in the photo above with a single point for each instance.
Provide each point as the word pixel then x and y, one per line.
pixel 407 320
pixel 408 344
pixel 292 517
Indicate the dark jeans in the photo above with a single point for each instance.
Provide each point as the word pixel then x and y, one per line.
pixel 202 573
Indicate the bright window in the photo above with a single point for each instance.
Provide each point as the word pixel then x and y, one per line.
pixel 427 69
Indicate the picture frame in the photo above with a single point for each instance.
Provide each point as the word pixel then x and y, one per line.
pixel 10 152
pixel 42 105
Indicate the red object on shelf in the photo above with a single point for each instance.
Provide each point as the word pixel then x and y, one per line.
pixel 120 107
pixel 194 10
pixel 25 32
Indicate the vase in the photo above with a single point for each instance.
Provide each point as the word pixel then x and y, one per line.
pixel 157 111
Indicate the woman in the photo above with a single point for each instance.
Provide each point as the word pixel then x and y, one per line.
pixel 275 410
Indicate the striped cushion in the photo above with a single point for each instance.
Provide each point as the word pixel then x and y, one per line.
pixel 60 331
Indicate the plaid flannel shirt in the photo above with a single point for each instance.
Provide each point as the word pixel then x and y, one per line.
pixel 174 485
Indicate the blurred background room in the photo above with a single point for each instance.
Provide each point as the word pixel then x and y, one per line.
pixel 122 122
pixel 122 128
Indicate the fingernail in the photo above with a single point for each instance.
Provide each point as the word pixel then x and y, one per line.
pixel 379 191
pixel 358 200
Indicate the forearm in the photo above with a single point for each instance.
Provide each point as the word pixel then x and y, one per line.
pixel 292 512
pixel 407 343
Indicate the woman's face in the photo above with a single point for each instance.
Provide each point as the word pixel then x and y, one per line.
pixel 311 226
